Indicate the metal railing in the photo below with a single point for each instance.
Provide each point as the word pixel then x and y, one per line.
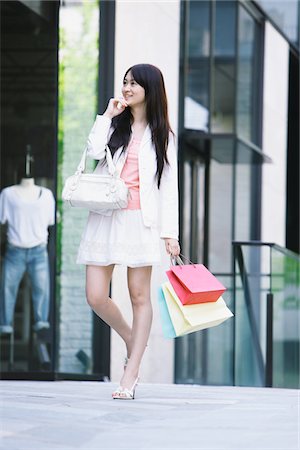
pixel 267 322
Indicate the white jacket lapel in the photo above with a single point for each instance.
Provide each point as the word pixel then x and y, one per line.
pixel 147 136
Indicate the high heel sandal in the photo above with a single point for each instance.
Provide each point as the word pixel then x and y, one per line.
pixel 124 393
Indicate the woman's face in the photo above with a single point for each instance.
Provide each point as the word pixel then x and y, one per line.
pixel 133 93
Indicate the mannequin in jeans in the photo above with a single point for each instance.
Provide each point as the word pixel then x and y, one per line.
pixel 28 210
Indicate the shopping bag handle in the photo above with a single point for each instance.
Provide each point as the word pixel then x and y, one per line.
pixel 179 261
pixel 176 260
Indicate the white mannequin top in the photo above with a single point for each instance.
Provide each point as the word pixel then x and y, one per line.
pixel 28 210
pixel 27 189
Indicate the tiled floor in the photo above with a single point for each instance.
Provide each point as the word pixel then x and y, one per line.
pixel 65 415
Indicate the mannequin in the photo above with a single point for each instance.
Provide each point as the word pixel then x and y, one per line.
pixel 27 189
pixel 28 210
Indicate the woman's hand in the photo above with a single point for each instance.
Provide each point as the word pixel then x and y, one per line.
pixel 172 246
pixel 115 107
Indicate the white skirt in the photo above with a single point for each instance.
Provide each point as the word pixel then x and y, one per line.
pixel 121 238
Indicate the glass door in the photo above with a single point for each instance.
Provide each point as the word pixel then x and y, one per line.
pixel 190 349
pixel 193 205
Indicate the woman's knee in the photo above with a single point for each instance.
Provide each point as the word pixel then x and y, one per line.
pixel 139 296
pixel 139 285
pixel 97 285
pixel 96 300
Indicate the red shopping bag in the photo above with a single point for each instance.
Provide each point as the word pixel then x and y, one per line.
pixel 194 283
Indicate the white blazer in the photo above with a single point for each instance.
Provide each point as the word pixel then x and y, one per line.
pixel 159 207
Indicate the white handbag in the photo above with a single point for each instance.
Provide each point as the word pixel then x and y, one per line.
pixel 96 192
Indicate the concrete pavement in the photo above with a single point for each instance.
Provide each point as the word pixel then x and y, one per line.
pixel 65 415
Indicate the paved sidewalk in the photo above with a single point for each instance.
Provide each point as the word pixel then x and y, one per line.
pixel 65 415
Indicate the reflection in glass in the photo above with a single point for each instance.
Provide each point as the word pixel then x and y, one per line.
pixel 249 372
pixel 248 83
pixel 200 210
pixel 265 272
pixel 223 77
pixel 78 68
pixel 285 14
pixel 219 343
pixel 191 368
pixel 196 65
pixel 194 205
pixel 247 207
pixel 285 282
pixel 186 236
pixel 244 214
pixel 220 217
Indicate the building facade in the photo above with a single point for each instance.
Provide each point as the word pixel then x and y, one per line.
pixel 232 77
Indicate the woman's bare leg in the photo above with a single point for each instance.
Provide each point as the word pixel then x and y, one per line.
pixel 97 293
pixel 139 289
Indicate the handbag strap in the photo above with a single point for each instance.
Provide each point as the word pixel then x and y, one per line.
pixel 111 166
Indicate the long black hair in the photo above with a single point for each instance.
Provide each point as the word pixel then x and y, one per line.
pixel 151 79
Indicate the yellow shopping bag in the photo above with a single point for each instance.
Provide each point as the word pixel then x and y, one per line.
pixel 189 318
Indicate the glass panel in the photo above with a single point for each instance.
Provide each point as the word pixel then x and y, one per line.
pixel 220 217
pixel 223 149
pixel 79 34
pixel 193 205
pixel 261 271
pixel 223 77
pixel 28 171
pixel 186 229
pixel 190 350
pixel 190 360
pixel 285 14
pixel 200 210
pixel 196 106
pixel 286 320
pixel 224 44
pixel 246 198
pixel 252 286
pixel 220 343
pixel 243 211
pixel 248 77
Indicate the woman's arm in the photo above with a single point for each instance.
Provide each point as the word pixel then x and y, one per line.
pixel 98 137
pixel 101 131
pixel 169 200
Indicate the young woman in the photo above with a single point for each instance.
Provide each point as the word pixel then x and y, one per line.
pixel 137 130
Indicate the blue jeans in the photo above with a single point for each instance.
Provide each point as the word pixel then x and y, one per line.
pixel 35 262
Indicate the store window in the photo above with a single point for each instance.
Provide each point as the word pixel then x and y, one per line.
pixel 78 97
pixel 28 185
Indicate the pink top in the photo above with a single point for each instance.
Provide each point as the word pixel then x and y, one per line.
pixel 130 174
